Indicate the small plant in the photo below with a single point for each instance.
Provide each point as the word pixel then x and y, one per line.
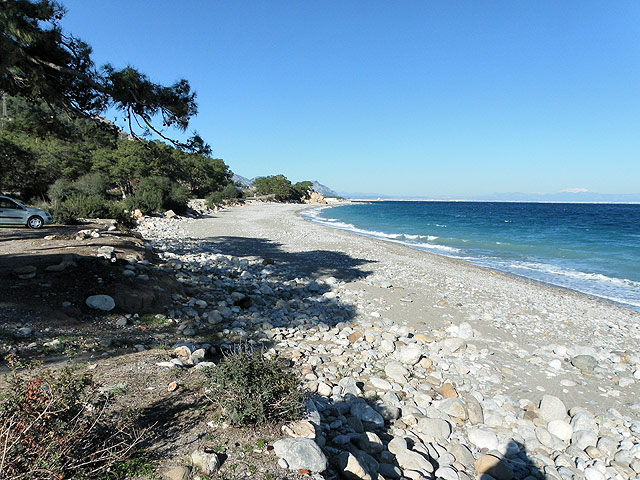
pixel 53 425
pixel 247 388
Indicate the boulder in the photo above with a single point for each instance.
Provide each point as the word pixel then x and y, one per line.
pixel 301 454
pixel 104 303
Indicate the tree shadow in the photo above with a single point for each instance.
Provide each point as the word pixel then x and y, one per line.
pixel 37 303
pixel 315 263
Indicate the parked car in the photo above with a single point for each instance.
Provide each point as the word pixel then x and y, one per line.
pixel 13 212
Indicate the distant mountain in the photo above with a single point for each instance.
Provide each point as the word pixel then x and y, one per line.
pixel 323 189
pixel 244 181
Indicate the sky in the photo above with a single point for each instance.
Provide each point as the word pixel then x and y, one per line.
pixel 405 98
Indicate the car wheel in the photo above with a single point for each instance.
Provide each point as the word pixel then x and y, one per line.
pixel 35 222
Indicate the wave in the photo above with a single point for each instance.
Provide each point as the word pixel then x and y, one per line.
pixel 618 290
pixel 407 239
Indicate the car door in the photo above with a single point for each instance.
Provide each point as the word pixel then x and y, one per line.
pixel 11 213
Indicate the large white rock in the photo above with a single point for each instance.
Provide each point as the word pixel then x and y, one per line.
pixel 101 302
pixel 483 438
pixel 409 355
pixel 396 372
pixel 301 454
pixel 435 428
pixel 380 383
pixel 552 408
pixel 560 429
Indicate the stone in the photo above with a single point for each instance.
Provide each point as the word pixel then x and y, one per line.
pixel 324 389
pixel 560 429
pixel 176 473
pixel 370 443
pixel 454 408
pixel 409 460
pixel 435 428
pixel 465 331
pixel 583 439
pixel 207 462
pixel 448 391
pixel 492 465
pixel 591 473
pixel 552 408
pixel 584 421
pixel 389 471
pixel 104 303
pixel 351 467
pixel 387 346
pixel 349 385
pixel 461 453
pixel 409 355
pixel 301 454
pixel 446 473
pixel 26 272
pixel 607 445
pixel 453 344
pixel 362 411
pixel 299 429
pixel 585 363
pixel 23 332
pixel 475 413
pixel 395 371
pixel 379 383
pixel 483 438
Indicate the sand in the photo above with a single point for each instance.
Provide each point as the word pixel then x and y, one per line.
pixel 520 322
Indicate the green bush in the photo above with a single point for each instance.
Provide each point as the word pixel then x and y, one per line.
pixel 79 205
pixel 155 194
pixel 59 190
pixel 92 184
pixel 53 426
pixel 247 388
pixel 229 192
pixel 122 216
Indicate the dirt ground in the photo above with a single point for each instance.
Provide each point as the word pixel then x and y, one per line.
pixel 45 318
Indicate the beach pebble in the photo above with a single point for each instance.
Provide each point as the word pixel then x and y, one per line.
pixel 552 408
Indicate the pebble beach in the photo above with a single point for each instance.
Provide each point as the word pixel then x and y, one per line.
pixel 417 365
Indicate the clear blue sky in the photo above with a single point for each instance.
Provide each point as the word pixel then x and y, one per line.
pixel 397 97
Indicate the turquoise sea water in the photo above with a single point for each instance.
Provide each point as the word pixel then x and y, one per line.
pixel 591 248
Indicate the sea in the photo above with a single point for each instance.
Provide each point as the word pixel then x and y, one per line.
pixel 590 248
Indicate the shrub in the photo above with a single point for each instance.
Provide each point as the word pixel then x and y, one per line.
pixel 229 192
pixel 53 426
pixel 59 190
pixel 155 194
pixel 93 184
pixel 247 388
pixel 124 219
pixel 79 205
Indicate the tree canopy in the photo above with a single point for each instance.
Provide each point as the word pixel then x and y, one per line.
pixel 41 63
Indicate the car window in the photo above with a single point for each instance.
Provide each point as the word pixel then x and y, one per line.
pixel 4 203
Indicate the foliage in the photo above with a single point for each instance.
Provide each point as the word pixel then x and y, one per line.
pixel 248 388
pixel 94 184
pixel 53 425
pixel 155 194
pixel 282 188
pixel 302 189
pixel 229 192
pixel 40 62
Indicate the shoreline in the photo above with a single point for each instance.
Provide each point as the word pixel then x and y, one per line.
pixel 433 292
pixel 592 296
pixel 411 346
